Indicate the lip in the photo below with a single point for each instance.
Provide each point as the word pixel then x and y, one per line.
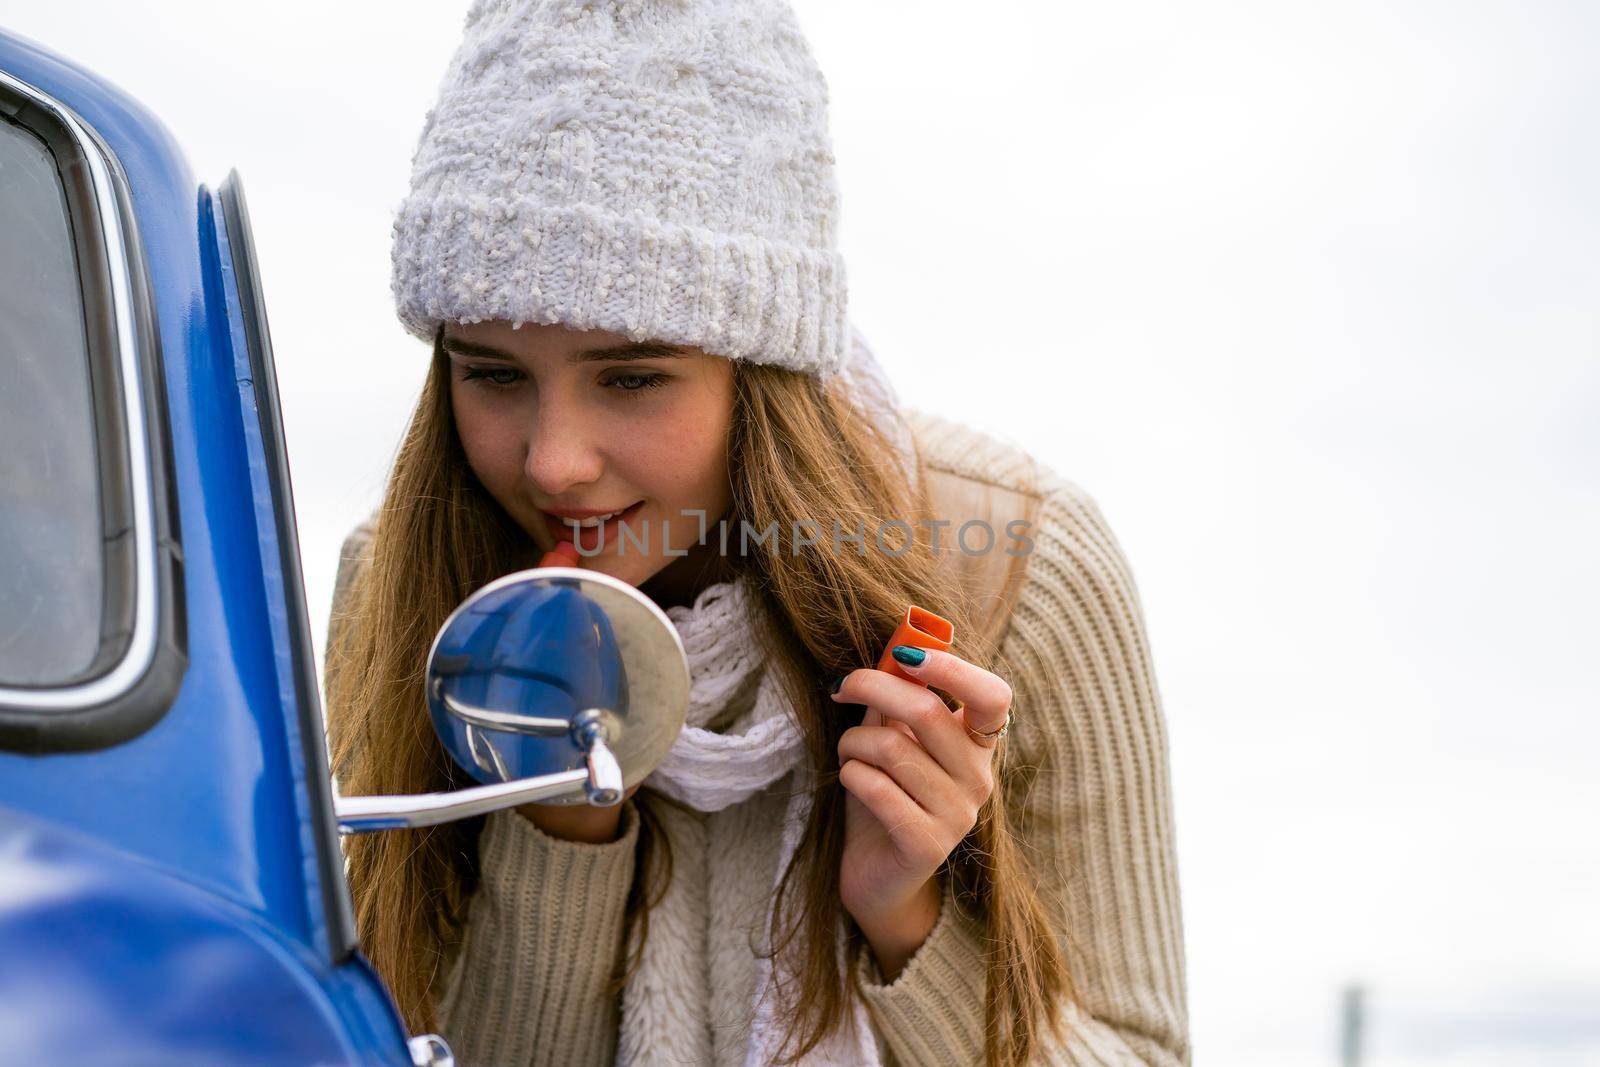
pixel 610 530
pixel 579 513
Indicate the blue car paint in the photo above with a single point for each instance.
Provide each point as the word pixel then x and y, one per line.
pixel 200 831
pixel 113 961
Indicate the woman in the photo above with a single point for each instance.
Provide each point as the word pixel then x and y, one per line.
pixel 620 241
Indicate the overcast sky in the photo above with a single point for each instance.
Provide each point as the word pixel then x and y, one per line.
pixel 1302 294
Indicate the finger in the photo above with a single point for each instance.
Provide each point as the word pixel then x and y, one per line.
pixel 911 767
pixel 912 707
pixel 907 825
pixel 986 694
pixel 988 743
pixel 870 717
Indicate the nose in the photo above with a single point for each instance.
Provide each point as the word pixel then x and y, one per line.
pixel 563 448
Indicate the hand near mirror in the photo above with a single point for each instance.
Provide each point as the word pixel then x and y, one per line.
pixel 916 775
pixel 578 822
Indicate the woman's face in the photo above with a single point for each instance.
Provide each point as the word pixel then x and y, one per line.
pixel 561 423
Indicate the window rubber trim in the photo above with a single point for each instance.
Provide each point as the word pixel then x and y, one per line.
pixel 143 649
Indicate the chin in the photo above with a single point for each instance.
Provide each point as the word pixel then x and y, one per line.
pixel 634 569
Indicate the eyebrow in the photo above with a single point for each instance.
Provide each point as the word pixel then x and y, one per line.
pixel 613 353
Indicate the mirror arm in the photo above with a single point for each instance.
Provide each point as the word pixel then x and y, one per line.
pixel 601 777
pixel 360 815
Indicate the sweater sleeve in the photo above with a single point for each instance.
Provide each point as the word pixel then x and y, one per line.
pixel 544 931
pixel 1087 787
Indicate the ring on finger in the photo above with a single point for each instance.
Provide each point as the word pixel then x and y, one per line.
pixel 993 735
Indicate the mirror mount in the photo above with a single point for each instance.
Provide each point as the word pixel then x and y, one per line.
pixel 590 728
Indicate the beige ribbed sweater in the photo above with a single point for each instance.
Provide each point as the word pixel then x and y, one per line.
pixel 546 924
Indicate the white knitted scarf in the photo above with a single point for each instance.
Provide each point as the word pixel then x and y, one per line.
pixel 663 1022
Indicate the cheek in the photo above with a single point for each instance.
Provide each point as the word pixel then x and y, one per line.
pixel 688 460
pixel 491 439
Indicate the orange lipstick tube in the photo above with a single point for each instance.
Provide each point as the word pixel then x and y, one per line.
pixel 565 554
pixel 920 629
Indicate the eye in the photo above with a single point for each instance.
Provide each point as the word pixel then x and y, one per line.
pixel 636 383
pixel 495 376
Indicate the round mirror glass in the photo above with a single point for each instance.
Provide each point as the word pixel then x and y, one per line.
pixel 536 667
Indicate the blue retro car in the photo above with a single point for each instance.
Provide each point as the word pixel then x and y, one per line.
pixel 172 889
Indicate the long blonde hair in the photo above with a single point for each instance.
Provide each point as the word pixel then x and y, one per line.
pixel 798 449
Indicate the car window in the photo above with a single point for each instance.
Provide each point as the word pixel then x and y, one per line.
pixel 52 556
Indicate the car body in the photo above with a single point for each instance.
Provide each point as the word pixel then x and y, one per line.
pixel 171 883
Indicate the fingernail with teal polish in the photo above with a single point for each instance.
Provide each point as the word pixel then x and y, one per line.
pixel 910 655
pixel 837 682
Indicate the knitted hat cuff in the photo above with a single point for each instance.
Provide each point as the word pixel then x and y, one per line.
pixel 740 296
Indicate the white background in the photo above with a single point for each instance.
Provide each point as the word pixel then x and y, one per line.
pixel 1302 294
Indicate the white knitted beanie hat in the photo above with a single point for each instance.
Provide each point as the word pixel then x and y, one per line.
pixel 656 168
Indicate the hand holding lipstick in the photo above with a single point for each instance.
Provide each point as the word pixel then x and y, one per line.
pixel 917 775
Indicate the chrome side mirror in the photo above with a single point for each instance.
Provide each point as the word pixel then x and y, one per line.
pixel 556 685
